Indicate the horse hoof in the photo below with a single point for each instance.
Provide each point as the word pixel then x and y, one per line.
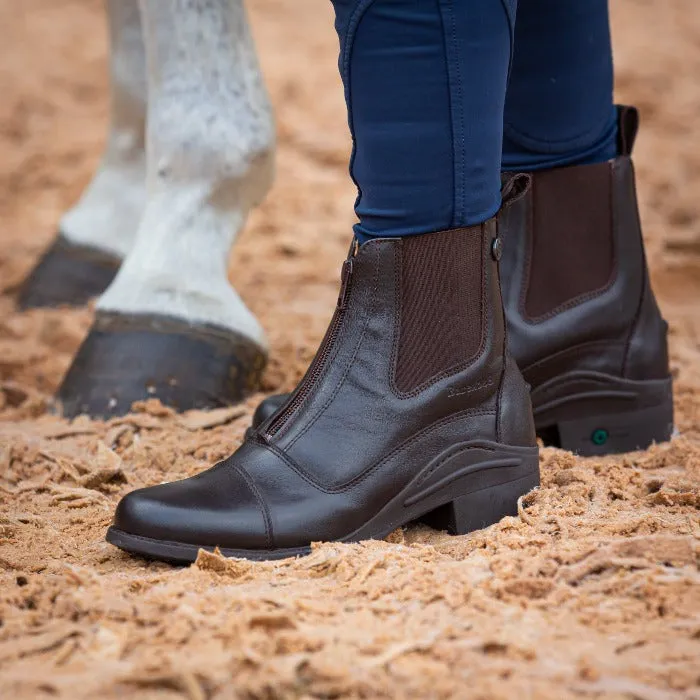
pixel 67 274
pixel 133 358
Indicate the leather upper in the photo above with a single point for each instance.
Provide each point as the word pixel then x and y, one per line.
pixel 347 440
pixel 617 330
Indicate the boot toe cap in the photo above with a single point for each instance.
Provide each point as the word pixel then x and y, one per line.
pixel 217 508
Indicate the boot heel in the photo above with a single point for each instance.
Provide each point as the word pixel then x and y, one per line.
pixel 482 508
pixel 616 432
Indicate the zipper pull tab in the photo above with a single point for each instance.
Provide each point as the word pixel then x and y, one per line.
pixel 345 275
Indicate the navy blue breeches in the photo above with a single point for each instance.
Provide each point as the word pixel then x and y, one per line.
pixel 444 94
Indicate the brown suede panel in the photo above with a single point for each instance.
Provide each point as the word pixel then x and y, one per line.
pixel 571 254
pixel 441 323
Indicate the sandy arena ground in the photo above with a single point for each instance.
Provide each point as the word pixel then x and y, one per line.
pixel 592 592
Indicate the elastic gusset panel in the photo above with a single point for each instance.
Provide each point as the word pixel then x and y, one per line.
pixel 441 315
pixel 571 251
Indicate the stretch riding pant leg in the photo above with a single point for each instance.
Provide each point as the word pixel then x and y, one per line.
pixel 559 103
pixel 425 85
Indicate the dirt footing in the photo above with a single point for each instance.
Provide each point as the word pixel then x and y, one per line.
pixel 591 591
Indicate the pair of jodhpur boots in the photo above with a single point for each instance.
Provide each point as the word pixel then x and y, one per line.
pixel 426 398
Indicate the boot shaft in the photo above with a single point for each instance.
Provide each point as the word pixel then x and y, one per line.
pixel 417 338
pixel 575 281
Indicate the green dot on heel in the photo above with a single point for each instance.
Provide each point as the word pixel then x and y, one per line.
pixel 599 436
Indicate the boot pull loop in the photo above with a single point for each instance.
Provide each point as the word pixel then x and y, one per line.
pixel 345 275
pixel 514 186
pixel 627 127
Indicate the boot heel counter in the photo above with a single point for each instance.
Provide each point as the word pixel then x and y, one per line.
pixel 516 425
pixel 646 354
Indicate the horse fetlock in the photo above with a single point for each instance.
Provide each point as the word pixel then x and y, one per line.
pixel 107 215
pixel 214 147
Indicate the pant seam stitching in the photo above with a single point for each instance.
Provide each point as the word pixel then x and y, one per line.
pixel 347 50
pixel 456 105
pixel 530 141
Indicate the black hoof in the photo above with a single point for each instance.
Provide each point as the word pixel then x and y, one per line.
pixel 67 275
pixel 133 358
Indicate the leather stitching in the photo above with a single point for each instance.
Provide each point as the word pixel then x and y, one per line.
pixel 261 502
pixel 346 486
pixel 633 329
pixel 504 356
pixel 581 298
pixel 572 354
pixel 640 306
pixel 351 360
pixel 502 383
pixel 529 243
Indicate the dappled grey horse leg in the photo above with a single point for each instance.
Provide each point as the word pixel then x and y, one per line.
pixel 99 231
pixel 171 325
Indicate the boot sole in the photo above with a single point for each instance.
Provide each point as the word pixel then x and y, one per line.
pixel 594 414
pixel 476 494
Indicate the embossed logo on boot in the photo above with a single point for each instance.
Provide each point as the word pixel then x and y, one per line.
pixel 461 391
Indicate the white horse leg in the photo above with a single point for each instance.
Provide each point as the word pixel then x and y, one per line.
pixel 210 145
pixel 210 141
pixel 108 213
pixel 100 229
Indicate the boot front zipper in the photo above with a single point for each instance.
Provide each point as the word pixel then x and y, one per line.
pixel 317 366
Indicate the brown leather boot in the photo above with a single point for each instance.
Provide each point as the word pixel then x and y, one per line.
pixel 583 323
pixel 411 409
